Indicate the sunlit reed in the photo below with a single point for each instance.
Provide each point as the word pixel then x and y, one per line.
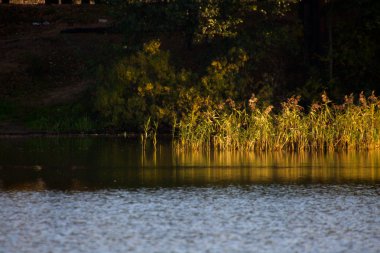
pixel 323 126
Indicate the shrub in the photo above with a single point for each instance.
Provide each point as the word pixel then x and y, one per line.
pixel 140 86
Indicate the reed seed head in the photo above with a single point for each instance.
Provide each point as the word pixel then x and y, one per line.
pixel 362 99
pixel 315 107
pixel 373 99
pixel 268 109
pixel 349 100
pixel 338 107
pixel 252 102
pixel 220 106
pixel 231 103
pixel 292 103
pixel 325 98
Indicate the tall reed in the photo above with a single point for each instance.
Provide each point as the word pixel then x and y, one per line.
pixel 323 126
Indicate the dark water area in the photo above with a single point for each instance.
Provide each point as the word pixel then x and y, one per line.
pixel 116 163
pixel 108 195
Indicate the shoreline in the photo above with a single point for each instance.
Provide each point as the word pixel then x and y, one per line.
pixel 48 134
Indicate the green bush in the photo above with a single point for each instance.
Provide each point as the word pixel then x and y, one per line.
pixel 140 86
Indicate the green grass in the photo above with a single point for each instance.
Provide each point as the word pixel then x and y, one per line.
pixel 7 109
pixel 61 119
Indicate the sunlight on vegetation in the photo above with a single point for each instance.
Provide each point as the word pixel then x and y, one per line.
pixel 188 68
pixel 193 70
pixel 145 92
pixel 325 126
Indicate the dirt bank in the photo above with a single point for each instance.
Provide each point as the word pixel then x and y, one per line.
pixel 39 65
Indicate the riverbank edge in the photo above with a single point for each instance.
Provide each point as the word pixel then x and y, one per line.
pixel 49 134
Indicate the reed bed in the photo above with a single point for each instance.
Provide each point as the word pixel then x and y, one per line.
pixel 323 126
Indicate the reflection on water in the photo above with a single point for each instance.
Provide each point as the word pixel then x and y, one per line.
pixel 96 163
pixel 107 195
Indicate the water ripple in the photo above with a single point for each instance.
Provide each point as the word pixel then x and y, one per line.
pixel 271 218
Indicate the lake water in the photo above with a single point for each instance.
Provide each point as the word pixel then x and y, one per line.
pixel 106 195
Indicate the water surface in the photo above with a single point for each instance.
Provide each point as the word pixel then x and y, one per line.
pixel 107 195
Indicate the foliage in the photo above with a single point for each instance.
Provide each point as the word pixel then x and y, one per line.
pixel 145 86
pixel 200 21
pixel 265 31
pixel 139 87
pixel 239 47
pixel 357 44
pixel 63 118
pixel 222 77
